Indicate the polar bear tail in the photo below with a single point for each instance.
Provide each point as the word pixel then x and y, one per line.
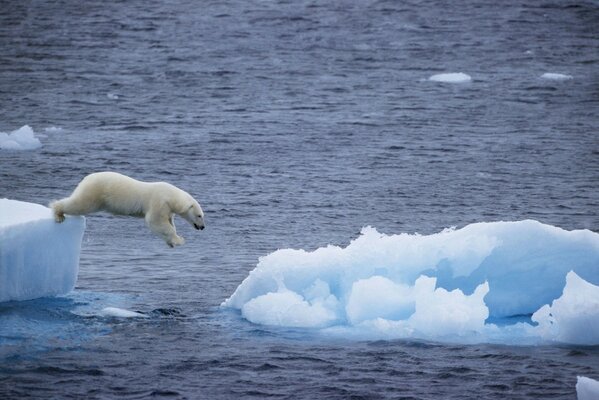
pixel 57 207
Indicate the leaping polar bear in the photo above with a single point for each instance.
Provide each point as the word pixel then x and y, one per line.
pixel 156 202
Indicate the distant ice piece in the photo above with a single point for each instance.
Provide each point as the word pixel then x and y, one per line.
pixel 448 286
pixel 451 77
pixel 38 257
pixel 587 388
pixel 556 77
pixel 53 129
pixel 21 139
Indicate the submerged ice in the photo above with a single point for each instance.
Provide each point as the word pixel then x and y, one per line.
pixel 38 257
pixel 475 283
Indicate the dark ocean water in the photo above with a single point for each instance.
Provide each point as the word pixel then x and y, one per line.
pixel 295 124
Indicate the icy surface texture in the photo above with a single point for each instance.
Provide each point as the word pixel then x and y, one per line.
pixel 449 284
pixel 587 388
pixel 21 139
pixel 38 257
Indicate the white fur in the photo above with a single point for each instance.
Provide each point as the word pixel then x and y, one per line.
pixel 118 194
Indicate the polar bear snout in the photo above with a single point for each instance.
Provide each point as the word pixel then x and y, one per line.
pixel 195 216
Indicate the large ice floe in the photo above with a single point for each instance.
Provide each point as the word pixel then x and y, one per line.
pixel 22 139
pixel 506 282
pixel 38 257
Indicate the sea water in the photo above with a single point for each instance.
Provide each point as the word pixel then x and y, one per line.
pixel 295 124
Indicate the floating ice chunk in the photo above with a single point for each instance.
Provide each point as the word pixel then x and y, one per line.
pixel 556 77
pixel 587 388
pixel 431 286
pixel 451 77
pixel 574 317
pixel 38 257
pixel 120 313
pixel 112 96
pixel 21 139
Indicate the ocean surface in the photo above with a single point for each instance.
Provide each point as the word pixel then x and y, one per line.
pixel 295 124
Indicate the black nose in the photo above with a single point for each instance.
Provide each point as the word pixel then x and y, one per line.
pixel 202 227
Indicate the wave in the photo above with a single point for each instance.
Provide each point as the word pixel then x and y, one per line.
pixel 505 282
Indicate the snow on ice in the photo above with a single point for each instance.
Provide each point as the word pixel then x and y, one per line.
pixel 22 139
pixel 38 257
pixel 470 284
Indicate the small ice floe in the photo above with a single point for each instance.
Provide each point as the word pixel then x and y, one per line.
pixel 451 77
pixel 112 96
pixel 552 76
pixel 587 388
pixel 21 139
pixel 120 313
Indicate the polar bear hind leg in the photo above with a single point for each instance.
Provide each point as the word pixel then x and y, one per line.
pixel 57 210
pixel 73 205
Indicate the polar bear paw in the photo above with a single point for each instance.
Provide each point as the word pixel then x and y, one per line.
pixel 58 212
pixel 175 241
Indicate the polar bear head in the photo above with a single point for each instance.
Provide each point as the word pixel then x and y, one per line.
pixel 194 214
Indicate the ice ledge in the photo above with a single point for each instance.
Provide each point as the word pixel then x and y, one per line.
pixel 38 257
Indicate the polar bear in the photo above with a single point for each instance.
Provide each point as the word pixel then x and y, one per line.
pixel 156 202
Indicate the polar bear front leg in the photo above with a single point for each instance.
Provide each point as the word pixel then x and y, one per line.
pixel 162 226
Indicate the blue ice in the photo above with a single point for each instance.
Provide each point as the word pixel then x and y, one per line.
pixel 508 282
